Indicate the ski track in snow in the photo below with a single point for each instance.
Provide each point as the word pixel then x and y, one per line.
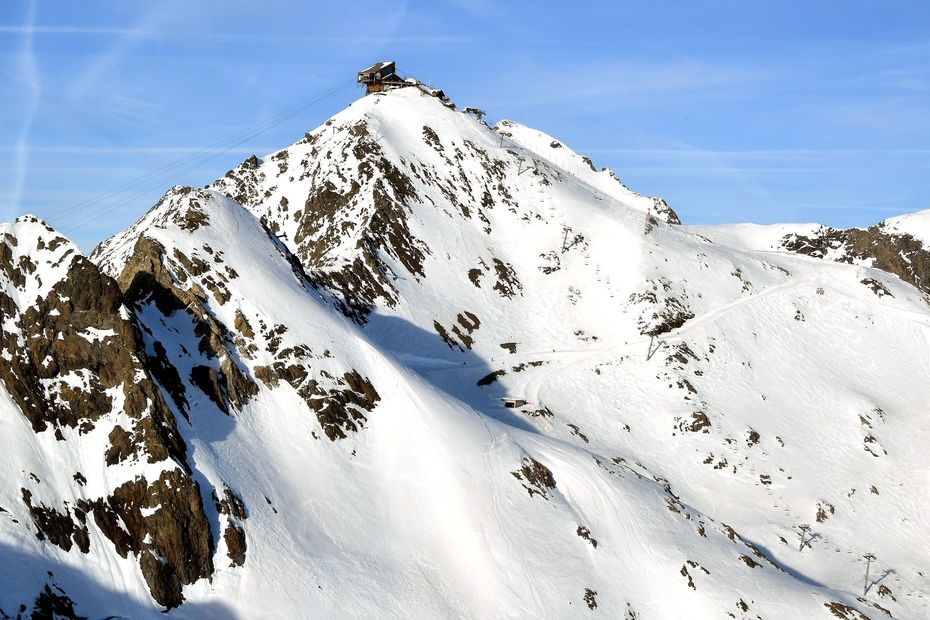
pixel 531 388
pixel 437 502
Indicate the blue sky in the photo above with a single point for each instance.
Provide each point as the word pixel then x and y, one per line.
pixel 763 110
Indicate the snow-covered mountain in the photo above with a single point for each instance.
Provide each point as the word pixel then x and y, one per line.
pixel 899 245
pixel 282 395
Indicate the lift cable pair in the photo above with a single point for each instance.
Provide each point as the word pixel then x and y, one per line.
pixel 138 187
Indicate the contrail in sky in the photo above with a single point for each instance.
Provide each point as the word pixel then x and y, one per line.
pixel 29 68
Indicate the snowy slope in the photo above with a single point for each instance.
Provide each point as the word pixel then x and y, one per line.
pixel 915 224
pixel 93 457
pixel 433 493
pixel 332 328
pixel 898 245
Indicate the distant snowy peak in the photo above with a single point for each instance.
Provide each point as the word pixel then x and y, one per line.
pixel 898 245
pixel 917 225
pixel 895 246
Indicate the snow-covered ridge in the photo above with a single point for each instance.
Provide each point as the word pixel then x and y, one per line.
pixel 916 225
pixel 603 181
pixel 40 255
pixel 333 328
pixel 897 245
pixel 181 207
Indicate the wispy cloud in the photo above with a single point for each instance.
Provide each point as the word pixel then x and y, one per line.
pixel 780 205
pixel 123 43
pixel 619 81
pixel 29 67
pixel 202 35
pixel 33 29
pixel 30 84
pixel 132 150
pixel 479 8
pixel 760 153
pixel 664 171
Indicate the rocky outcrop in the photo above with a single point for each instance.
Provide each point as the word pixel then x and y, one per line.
pixel 152 276
pixel 233 508
pixel 536 478
pixel 340 403
pixel 897 253
pixel 380 197
pixel 59 528
pixel 76 360
pixel 163 524
pixel 662 307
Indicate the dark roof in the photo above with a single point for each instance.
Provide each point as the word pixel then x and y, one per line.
pixel 384 67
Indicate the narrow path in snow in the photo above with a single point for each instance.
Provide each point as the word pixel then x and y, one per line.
pixel 532 386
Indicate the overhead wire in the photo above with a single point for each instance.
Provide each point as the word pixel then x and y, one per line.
pixel 143 184
pixel 193 160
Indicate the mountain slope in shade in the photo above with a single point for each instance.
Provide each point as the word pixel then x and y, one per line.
pixel 324 337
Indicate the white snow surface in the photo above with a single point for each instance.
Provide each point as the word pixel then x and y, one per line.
pixel 51 253
pixel 814 390
pixel 916 225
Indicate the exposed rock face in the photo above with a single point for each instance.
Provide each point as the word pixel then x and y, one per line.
pixel 339 403
pixel 76 361
pixel 665 212
pixel 150 275
pixel 340 409
pixel 537 479
pixel 164 525
pixel 879 245
pixel 59 528
pixel 663 307
pixel 72 350
pixel 379 195
pixel 234 534
pixel 477 265
pixel 76 330
pixel 199 282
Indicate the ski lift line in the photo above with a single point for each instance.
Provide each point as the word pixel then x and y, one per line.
pixel 219 144
pixel 150 185
pixel 217 148
pixel 213 150
pixel 407 76
pixel 147 187
pixel 919 589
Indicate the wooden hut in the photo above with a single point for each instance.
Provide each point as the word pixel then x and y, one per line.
pixel 379 77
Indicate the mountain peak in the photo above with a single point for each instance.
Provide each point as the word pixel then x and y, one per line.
pixel 33 258
pixel 369 196
pixel 916 224
pixel 182 208
pixel 412 360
